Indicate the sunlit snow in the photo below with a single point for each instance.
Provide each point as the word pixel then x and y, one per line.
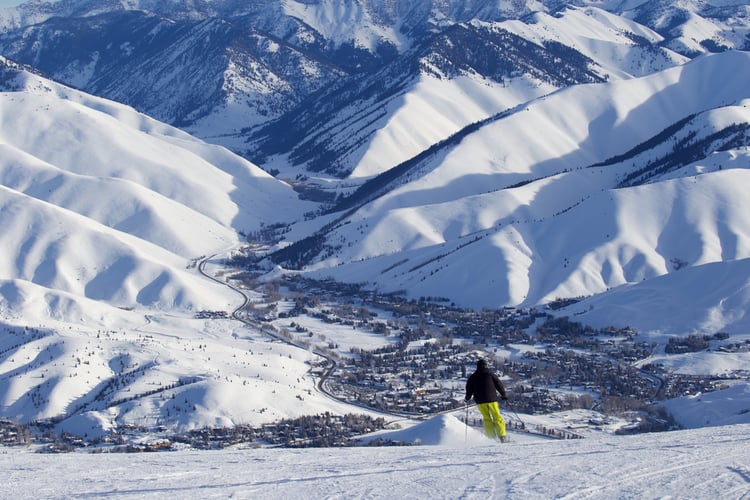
pixel 704 463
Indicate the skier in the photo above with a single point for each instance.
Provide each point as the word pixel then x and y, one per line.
pixel 484 386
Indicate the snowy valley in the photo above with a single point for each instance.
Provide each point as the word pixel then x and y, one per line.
pixel 225 225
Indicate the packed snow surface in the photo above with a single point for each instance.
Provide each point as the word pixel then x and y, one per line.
pixel 704 463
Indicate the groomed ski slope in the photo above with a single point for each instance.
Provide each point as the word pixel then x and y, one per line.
pixel 703 463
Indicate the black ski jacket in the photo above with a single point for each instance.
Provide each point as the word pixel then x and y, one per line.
pixel 484 386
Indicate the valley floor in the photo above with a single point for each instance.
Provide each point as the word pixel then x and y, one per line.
pixel 701 463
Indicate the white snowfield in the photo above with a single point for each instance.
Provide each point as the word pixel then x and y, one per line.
pixel 705 463
pixel 101 202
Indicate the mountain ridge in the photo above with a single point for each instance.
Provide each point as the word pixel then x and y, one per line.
pixel 61 172
pixel 381 215
pixel 266 58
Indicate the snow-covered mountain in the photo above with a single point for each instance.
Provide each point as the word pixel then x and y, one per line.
pixel 570 195
pixel 219 67
pixel 103 202
pixel 104 214
pixel 366 126
pixel 487 153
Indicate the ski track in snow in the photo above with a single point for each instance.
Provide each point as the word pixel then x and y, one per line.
pixel 701 463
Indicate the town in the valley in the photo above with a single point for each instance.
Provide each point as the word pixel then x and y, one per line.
pixel 410 359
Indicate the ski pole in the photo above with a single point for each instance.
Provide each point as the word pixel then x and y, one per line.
pixel 510 405
pixel 466 421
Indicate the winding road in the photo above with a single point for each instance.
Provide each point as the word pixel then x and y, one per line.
pixel 331 363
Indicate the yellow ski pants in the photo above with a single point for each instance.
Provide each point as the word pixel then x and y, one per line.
pixel 494 425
